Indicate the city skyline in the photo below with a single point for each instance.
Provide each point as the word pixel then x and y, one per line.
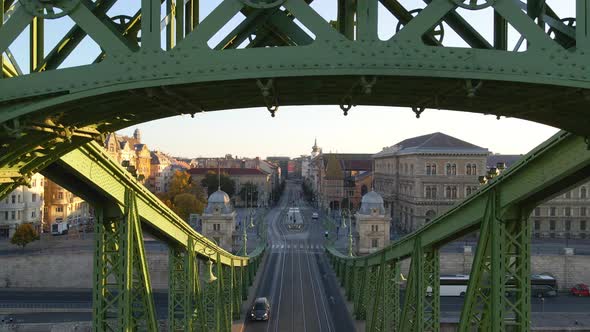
pixel 285 135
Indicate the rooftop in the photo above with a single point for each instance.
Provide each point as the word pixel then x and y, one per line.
pixel 431 143
pixel 229 171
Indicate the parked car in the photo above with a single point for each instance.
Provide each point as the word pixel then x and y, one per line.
pixel 580 290
pixel 315 216
pixel 260 309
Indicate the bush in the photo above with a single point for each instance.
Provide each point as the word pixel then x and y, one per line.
pixel 24 235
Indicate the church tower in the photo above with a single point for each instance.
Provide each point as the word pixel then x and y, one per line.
pixel 137 136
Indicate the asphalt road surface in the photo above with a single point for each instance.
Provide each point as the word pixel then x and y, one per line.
pixel 297 279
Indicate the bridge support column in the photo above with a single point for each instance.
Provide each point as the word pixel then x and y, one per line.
pixel 498 295
pixel 122 295
pixel 185 298
pixel 422 312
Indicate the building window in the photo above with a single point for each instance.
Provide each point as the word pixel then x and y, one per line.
pixel 5 215
pixel 13 199
pixel 454 169
pixel 583 211
pixel 374 228
pixel 433 167
pixel 568 225
pixel 13 215
pixel 468 169
pixel 33 214
pixel 451 192
pixel 537 225
pixel 60 195
pixel 567 211
pixel 537 211
pixel 34 197
pixel 583 192
pixel 428 192
pixel 448 169
pixel 59 209
pixel 568 194
pixel 428 169
pixel 552 211
pixel 582 225
pixel 551 225
pixel 374 243
pixel 216 227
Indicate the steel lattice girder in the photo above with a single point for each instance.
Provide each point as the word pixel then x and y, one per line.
pixel 122 289
pixel 343 63
pixel 498 296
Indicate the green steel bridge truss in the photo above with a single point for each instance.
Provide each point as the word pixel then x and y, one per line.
pixel 122 298
pixel 164 58
pixel 498 294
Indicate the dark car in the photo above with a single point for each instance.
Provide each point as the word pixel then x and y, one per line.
pixel 543 291
pixel 580 290
pixel 260 309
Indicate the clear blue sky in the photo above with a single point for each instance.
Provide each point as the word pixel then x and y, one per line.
pixel 252 132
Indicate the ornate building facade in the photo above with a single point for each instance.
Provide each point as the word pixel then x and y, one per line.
pixel 372 224
pixel 23 206
pixel 422 177
pixel 219 219
pixel 63 206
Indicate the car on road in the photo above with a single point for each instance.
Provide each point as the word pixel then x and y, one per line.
pixel 315 216
pixel 580 290
pixel 543 291
pixel 260 309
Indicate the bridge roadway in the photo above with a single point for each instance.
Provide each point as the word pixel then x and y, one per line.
pixel 297 278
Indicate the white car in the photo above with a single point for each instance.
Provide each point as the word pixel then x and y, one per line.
pixel 314 216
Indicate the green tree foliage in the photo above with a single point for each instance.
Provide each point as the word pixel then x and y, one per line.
pixel 184 204
pixel 211 182
pixel 24 235
pixel 249 191
pixel 183 196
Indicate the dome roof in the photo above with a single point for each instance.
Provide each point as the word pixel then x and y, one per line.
pixel 218 202
pixel 219 196
pixel 372 203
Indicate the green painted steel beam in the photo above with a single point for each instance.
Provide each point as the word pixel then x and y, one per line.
pixel 554 166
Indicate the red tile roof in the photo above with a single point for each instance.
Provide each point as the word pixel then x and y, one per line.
pixel 230 171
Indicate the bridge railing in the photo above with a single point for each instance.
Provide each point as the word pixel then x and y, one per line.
pixel 498 294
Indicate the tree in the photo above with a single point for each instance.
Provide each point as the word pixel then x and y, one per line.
pixel 185 204
pixel 211 182
pixel 249 192
pixel 24 235
pixel 180 183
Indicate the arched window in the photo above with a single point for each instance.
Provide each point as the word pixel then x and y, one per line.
pixel 448 192
pixel 448 169
pixel 433 169
pixel 473 169
pixel 428 169
pixel 468 170
pixel 412 169
pixel 454 192
pixel 454 169
pixel 583 192
pixel 428 192
pixel 434 192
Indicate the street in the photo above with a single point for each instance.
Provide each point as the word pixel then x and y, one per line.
pixel 297 279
